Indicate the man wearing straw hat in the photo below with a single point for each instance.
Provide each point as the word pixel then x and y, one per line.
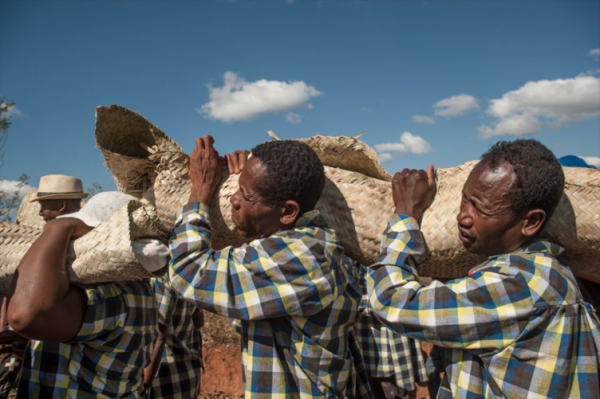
pixel 291 287
pixel 517 325
pixel 88 341
pixel 59 195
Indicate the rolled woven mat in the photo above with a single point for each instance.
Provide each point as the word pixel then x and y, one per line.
pixel 121 136
pixel 358 207
pixel 104 254
pixel 29 212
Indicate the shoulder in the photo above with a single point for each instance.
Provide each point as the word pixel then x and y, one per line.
pixel 549 281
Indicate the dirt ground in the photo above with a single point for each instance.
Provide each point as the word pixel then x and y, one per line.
pixel 222 377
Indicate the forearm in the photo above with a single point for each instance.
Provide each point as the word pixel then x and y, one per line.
pixel 246 283
pixel 43 304
pixel 151 370
pixel 465 313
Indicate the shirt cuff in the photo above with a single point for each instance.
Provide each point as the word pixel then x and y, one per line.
pixel 192 211
pixel 399 223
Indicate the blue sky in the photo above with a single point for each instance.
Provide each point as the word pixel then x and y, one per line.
pixel 429 81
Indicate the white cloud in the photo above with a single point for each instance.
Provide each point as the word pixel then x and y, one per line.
pixel 516 125
pixel 409 143
pixel 595 53
pixel 292 117
pixel 594 161
pixel 11 187
pixel 239 100
pixel 554 102
pixel 456 105
pixel 384 156
pixel 12 111
pixel 423 119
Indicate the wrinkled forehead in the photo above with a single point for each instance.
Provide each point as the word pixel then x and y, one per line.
pixel 499 180
pixel 250 177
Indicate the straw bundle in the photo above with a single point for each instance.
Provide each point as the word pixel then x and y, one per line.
pixel 104 254
pixel 29 212
pixel 15 240
pixel 358 206
pixel 122 136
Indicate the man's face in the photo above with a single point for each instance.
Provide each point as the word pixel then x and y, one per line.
pixel 250 215
pixel 51 209
pixel 487 224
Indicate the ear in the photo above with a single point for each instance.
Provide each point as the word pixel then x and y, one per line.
pixel 534 220
pixel 63 206
pixel 290 212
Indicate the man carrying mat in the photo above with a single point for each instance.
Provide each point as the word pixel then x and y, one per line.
pixel 88 341
pixel 291 287
pixel 516 326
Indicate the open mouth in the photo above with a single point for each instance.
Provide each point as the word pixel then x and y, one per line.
pixel 464 237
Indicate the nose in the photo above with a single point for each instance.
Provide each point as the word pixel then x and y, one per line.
pixel 465 217
pixel 235 200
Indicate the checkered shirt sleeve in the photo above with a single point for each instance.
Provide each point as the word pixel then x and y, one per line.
pixel 293 294
pixel 108 355
pixel 517 325
pixel 179 371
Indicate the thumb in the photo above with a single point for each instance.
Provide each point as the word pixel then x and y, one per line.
pixel 431 175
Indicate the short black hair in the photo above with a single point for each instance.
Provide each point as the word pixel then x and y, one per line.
pixel 293 172
pixel 540 178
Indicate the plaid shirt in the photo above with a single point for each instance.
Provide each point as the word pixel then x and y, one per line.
pixel 515 327
pixel 179 371
pixel 294 296
pixel 386 353
pixel 107 357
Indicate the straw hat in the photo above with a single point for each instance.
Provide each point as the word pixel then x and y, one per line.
pixel 59 187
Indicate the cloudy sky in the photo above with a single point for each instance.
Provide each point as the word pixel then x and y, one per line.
pixel 428 81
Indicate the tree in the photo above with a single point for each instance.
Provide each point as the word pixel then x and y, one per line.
pixel 10 194
pixel 10 198
pixel 94 189
pixel 5 115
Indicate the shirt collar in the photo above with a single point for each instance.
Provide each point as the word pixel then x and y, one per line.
pixel 310 219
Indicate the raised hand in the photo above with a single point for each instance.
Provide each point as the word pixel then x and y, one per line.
pixel 413 191
pixel 206 170
pixel 236 161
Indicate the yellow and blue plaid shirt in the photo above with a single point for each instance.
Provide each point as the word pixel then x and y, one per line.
pixel 107 357
pixel 295 298
pixel 386 353
pixel 516 327
pixel 179 372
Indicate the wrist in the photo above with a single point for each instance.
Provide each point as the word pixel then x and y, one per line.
pixel 201 195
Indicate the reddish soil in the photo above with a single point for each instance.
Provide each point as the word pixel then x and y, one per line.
pixel 222 377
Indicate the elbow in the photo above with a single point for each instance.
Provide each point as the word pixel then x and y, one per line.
pixel 21 320
pixel 25 319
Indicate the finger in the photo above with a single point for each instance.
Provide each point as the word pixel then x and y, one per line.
pixel 242 160
pixel 431 175
pixel 230 163
pixel 199 143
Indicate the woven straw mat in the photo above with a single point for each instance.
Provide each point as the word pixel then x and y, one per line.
pixel 121 136
pixel 29 212
pixel 104 254
pixel 358 207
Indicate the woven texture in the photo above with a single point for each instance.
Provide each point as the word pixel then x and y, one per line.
pixel 104 254
pixel 15 240
pixel 357 199
pixel 123 136
pixel 29 212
